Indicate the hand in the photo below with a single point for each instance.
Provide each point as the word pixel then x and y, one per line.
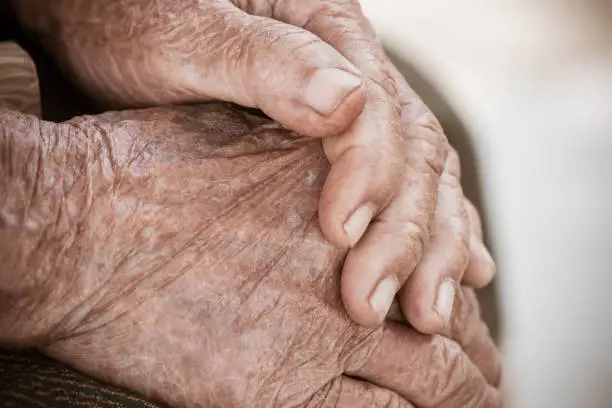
pixel 181 257
pixel 392 195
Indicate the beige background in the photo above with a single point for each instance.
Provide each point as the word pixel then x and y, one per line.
pixel 524 88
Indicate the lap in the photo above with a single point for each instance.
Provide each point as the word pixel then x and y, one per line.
pixel 30 380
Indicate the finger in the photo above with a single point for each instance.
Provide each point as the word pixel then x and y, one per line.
pixel 481 267
pixel 346 392
pixel 367 169
pixel 367 173
pixel 428 371
pixel 367 160
pixel 427 297
pixel 384 258
pixel 223 53
pixel 469 330
pixel 288 72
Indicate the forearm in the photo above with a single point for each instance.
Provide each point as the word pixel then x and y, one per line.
pixel 45 193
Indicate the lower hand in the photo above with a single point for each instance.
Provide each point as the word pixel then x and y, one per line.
pixel 187 264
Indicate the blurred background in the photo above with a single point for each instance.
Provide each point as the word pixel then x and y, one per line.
pixel 524 91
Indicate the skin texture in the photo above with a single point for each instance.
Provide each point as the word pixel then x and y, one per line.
pixel 392 195
pixel 176 252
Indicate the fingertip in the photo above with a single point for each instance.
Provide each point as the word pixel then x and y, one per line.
pixel 327 89
pixel 445 299
pixel 331 229
pixel 419 309
pixel 347 112
pixel 304 120
pixel 358 222
pixel 344 211
pixel 382 297
pixel 481 268
pixel 363 316
pixel 367 311
pixel 368 291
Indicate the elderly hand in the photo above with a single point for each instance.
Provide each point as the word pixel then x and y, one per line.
pixel 393 193
pixel 176 252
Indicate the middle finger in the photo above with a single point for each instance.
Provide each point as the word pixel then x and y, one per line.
pixel 428 295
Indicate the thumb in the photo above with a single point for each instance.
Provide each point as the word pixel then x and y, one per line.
pixel 168 52
pixel 289 73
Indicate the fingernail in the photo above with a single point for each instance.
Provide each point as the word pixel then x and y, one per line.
pixel 383 296
pixel 358 223
pixel 327 88
pixel 446 297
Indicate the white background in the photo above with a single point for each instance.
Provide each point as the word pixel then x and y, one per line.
pixel 532 83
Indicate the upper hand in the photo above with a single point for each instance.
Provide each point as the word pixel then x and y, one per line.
pixel 392 195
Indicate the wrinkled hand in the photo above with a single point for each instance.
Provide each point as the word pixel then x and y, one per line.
pixel 315 66
pixel 181 257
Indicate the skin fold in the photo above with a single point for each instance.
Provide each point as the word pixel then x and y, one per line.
pixel 176 251
pixel 392 196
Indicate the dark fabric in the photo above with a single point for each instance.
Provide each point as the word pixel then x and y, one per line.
pixel 31 380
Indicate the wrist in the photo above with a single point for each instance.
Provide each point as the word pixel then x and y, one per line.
pixel 46 183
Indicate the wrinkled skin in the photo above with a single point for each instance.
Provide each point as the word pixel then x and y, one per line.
pixel 176 252
pixel 393 194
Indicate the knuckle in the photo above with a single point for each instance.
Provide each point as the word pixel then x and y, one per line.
pixel 428 149
pixel 457 226
pixel 457 385
pixel 465 310
pixel 450 180
pixel 454 235
pixel 428 120
pixel 284 41
pixel 473 215
pixel 452 155
pixel 360 342
pixel 452 355
pixel 452 167
pixel 449 373
pixel 413 234
pixel 380 75
pixel 459 244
